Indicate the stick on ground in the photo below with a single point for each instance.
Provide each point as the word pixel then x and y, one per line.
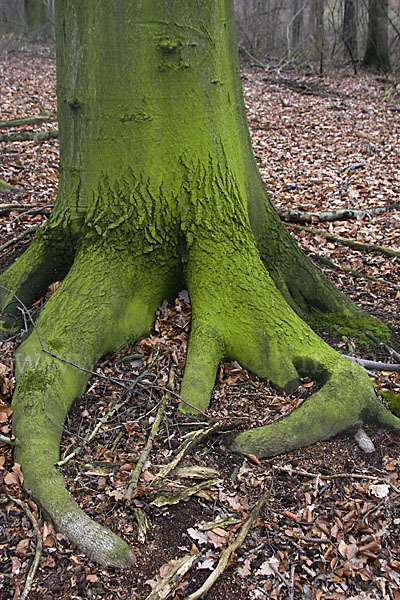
pixel 225 556
pixel 39 547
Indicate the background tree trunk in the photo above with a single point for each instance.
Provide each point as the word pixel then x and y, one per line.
pixel 376 55
pixel 350 31
pixel 319 6
pixel 39 19
pixel 297 24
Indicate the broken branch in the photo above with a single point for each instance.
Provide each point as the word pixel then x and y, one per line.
pixel 297 216
pixel 227 553
pixel 346 241
pixel 39 547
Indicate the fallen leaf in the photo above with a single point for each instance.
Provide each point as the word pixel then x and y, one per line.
pixel 199 536
pixel 380 490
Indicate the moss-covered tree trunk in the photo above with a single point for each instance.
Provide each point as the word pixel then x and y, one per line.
pixel 158 188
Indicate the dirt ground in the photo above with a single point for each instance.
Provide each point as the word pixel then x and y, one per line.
pixel 329 528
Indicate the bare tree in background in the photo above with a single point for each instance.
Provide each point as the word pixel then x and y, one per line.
pixel 320 33
pixel 318 8
pixel 350 31
pixel 33 19
pixel 376 55
pixel 39 19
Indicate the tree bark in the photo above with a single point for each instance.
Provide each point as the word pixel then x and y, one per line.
pixel 350 31
pixel 376 55
pixel 158 188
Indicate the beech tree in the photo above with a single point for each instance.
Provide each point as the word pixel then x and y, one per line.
pixel 159 189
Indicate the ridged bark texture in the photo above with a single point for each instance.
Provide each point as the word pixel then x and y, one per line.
pixel 158 188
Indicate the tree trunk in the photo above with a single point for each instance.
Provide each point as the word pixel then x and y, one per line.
pixel 38 25
pixel 297 24
pixel 318 8
pixel 158 188
pixel 350 31
pixel 376 55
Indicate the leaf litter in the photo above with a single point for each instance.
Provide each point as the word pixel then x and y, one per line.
pixel 329 529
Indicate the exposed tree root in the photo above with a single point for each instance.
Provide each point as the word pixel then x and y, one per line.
pixel 47 387
pixel 346 400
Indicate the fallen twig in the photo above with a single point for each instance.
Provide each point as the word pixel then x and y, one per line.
pixel 142 523
pixel 95 431
pixel 38 136
pixel 388 348
pixel 31 211
pixel 329 263
pixel 192 439
pixel 39 547
pixel 346 241
pixel 5 209
pixel 19 237
pixel 147 449
pixel 6 188
pixel 175 498
pixel 372 365
pixel 367 136
pixel 289 470
pixel 6 440
pixel 174 576
pixel 227 553
pixel 297 216
pixel 46 118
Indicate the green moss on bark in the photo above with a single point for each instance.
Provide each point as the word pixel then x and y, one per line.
pixel 393 401
pixel 353 327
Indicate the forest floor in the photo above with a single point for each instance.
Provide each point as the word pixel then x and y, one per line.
pixel 330 527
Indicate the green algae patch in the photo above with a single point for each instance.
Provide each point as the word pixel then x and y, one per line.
pixel 393 401
pixel 354 327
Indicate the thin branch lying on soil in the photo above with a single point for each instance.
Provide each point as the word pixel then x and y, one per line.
pixel 346 214
pixel 192 440
pixel 6 440
pixel 389 349
pixel 346 241
pixel 333 265
pixel 147 449
pixel 96 430
pixel 19 237
pixel 39 547
pixel 32 211
pixel 367 136
pixel 289 470
pixel 47 118
pixel 5 209
pixel 38 136
pixel 6 188
pixel 227 553
pixel 174 576
pixel 373 365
